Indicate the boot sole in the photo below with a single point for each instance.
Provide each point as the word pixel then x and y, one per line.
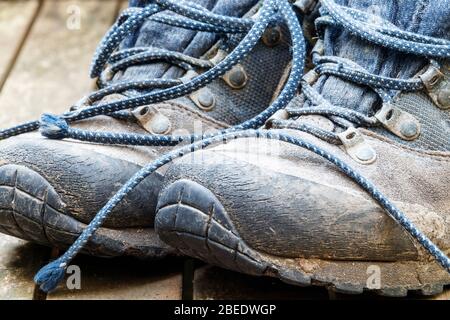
pixel 31 209
pixel 192 219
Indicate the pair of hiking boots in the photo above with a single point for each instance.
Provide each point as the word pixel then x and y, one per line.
pixel 345 176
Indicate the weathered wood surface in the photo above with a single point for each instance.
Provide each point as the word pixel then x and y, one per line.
pixel 46 59
pixel 215 283
pixel 125 279
pixel 49 74
pixel 16 19
pixel 19 261
pixel 51 71
pixel 443 296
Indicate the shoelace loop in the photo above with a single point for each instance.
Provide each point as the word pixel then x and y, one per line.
pixel 49 276
pixel 58 127
pixel 129 22
pixel 377 31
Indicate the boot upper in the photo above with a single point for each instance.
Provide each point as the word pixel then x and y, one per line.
pixel 287 201
pixel 86 175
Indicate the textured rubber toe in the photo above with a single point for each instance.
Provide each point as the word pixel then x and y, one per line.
pixel 192 219
pixel 31 209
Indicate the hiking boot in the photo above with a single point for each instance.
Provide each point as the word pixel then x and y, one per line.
pixel 375 105
pixel 50 189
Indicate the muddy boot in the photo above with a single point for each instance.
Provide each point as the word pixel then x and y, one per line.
pixel 362 169
pixel 50 189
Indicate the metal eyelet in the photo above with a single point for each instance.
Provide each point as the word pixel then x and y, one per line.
pixel 357 147
pixel 443 98
pixel 204 99
pixel 236 78
pixel 272 36
pixel 152 120
pixel 437 85
pixel 399 122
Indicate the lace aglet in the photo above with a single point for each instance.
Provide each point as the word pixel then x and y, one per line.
pixel 53 127
pixel 50 276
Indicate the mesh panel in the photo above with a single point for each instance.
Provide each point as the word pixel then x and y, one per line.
pixel 435 122
pixel 264 67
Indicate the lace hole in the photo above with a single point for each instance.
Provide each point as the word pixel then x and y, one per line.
pixel 350 136
pixel 434 80
pixel 144 111
pixel 389 114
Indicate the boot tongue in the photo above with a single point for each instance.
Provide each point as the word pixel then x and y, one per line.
pixel 192 43
pixel 422 17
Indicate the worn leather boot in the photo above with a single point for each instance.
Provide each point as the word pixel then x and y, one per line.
pixel 377 101
pixel 50 189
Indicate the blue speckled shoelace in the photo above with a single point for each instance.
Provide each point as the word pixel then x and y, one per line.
pixel 107 61
pixel 384 35
pixel 58 126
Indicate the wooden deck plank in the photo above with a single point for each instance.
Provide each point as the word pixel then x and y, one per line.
pixel 126 279
pixel 16 19
pixel 445 295
pixel 19 261
pixel 216 283
pixel 123 5
pixel 51 72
